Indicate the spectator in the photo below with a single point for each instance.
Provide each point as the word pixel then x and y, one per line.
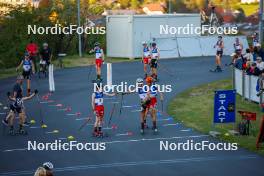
pixel 248 56
pixel 255 53
pixel 253 70
pixel 260 51
pixel 260 85
pixel 45 53
pixel 32 49
pixel 238 62
pixel 260 63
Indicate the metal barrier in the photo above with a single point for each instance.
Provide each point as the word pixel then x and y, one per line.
pixel 245 85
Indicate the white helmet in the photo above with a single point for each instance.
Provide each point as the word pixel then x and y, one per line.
pixel 45 44
pixel 140 80
pixel 48 165
pixel 144 43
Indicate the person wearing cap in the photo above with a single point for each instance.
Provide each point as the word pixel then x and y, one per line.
pixel 144 102
pixel 28 68
pixel 99 59
pixel 155 55
pixel 219 53
pixel 260 63
pixel 152 95
pixel 45 58
pixel 145 57
pixel 98 107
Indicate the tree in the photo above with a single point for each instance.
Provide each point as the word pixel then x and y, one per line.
pixel 134 4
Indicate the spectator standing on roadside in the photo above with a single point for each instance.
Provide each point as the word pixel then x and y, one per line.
pixel 255 39
pixel 253 70
pixel 255 53
pixel 248 56
pixel 260 63
pixel 260 51
pixel 32 49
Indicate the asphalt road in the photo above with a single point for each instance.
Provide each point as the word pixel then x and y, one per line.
pixel 127 152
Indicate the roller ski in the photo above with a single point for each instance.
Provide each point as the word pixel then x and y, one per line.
pixel 217 69
pixel 22 131
pixel 99 134
pixel 11 131
pixel 142 131
pixel 155 130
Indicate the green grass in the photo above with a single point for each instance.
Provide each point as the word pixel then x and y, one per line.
pixel 68 62
pixel 194 108
pixel 249 9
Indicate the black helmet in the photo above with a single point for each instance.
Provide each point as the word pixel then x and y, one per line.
pixel 153 44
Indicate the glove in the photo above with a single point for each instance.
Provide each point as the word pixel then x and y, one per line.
pixel 8 94
pixel 36 91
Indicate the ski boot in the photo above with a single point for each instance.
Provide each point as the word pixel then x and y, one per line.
pixel 11 131
pixel 142 131
pixel 22 131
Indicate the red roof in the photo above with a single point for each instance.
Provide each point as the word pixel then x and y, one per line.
pixel 155 7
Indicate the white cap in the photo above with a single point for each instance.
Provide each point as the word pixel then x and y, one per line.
pixel 139 80
pixel 48 165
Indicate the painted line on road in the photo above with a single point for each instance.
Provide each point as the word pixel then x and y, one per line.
pixel 138 163
pixel 170 124
pixel 167 119
pixel 137 110
pixel 128 141
pixel 154 139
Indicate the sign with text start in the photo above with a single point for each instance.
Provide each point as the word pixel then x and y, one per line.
pixel 225 106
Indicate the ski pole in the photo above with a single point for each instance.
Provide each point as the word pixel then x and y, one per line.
pixel 121 104
pixel 111 115
pixel 84 124
pixel 165 70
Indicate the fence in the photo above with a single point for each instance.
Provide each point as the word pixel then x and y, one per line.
pixel 174 47
pixel 245 85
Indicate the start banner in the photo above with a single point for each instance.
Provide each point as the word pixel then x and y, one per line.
pixel 225 106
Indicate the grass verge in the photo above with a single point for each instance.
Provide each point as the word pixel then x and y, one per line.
pixel 194 108
pixel 68 62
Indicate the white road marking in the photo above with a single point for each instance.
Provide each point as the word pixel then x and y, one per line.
pixel 131 140
pixel 167 119
pixel 138 163
pixel 171 124
pixel 137 110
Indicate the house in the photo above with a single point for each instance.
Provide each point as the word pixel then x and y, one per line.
pixel 4 10
pixel 249 1
pixel 154 8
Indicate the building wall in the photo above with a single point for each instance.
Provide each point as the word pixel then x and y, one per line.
pixel 119 35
